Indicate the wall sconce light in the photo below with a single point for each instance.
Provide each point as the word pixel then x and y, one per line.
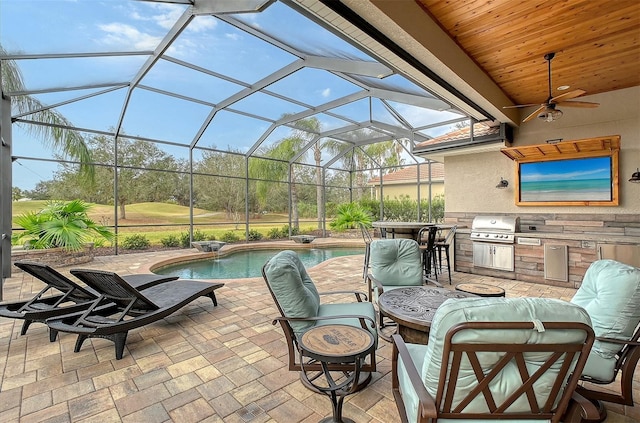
pixel 636 176
pixel 502 184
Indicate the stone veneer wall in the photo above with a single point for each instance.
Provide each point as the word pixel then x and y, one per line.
pixel 581 233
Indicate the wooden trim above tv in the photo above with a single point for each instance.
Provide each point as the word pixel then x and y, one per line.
pixel 588 147
pixel 608 146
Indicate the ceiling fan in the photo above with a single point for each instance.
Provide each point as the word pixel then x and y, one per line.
pixel 547 110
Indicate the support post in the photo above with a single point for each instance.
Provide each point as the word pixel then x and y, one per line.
pixel 5 190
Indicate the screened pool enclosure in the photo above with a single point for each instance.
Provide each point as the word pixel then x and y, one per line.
pixel 236 113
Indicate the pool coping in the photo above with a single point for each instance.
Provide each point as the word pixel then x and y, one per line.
pixel 257 245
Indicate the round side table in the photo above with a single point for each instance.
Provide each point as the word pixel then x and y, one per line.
pixel 481 289
pixel 336 344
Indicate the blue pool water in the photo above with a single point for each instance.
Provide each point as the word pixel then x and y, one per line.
pixel 248 264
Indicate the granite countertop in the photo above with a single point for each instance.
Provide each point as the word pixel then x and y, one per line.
pixel 574 237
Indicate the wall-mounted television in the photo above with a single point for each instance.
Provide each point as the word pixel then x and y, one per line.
pixel 573 173
pixel 589 179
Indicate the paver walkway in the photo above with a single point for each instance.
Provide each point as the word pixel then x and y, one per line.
pixel 201 364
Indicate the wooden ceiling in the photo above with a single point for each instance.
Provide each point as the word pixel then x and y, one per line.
pixel 597 43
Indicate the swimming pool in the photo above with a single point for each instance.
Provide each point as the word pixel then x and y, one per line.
pixel 248 264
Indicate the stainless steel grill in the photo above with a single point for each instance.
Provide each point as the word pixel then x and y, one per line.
pixel 501 229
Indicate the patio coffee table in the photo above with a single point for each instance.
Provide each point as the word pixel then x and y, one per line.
pixel 413 308
pixel 336 344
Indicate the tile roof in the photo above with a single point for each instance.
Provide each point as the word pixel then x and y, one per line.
pixel 411 174
pixel 479 130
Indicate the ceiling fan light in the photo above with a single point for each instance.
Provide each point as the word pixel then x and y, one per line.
pixel 550 115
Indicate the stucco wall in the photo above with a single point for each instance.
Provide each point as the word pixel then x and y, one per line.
pixel 395 191
pixel 471 179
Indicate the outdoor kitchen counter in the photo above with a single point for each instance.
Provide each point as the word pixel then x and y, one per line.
pixel 529 255
pixel 604 238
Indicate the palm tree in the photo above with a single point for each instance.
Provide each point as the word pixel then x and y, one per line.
pixel 54 130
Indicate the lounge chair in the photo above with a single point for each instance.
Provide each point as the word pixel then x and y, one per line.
pixel 73 297
pixel 121 307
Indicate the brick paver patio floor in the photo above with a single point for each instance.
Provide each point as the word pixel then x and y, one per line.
pixel 201 364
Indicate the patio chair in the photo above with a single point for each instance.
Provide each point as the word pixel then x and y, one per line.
pixel 492 359
pixel 121 307
pixel 395 263
pixel 72 297
pixel 610 292
pixel 300 308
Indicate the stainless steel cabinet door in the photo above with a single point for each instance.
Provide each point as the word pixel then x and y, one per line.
pixel 503 257
pixel 482 255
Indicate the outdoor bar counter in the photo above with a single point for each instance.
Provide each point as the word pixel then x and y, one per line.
pixel 574 251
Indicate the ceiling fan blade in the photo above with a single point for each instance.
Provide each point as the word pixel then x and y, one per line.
pixel 534 114
pixel 567 96
pixel 520 105
pixel 584 104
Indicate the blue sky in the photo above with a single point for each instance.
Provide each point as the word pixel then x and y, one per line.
pixel 78 26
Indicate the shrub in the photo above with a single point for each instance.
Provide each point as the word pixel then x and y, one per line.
pixel 198 235
pixel 170 241
pixel 254 235
pixel 229 237
pixel 136 242
pixel 274 233
pixel 185 240
pixel 60 224
pixel 350 216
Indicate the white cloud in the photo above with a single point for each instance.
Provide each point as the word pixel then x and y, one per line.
pixel 120 35
pixel 231 36
pixel 202 24
pixel 326 92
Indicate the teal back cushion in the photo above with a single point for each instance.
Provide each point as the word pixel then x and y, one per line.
pixel 293 288
pixel 396 262
pixel 610 292
pixel 460 310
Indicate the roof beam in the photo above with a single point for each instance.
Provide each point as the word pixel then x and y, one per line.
pixel 357 67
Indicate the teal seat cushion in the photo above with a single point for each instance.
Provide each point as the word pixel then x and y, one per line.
pixel 610 292
pixel 349 309
pixel 396 262
pixel 294 290
pixel 455 311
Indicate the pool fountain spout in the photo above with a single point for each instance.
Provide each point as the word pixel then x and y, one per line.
pixel 208 246
pixel 303 239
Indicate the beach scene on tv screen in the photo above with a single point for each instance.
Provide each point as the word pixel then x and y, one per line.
pixel 566 180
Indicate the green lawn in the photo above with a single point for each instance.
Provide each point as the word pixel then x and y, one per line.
pixel 213 224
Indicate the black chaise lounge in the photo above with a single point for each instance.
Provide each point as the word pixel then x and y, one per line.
pixel 72 297
pixel 121 307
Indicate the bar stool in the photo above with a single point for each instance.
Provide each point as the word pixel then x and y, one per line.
pixel 444 245
pixel 428 250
